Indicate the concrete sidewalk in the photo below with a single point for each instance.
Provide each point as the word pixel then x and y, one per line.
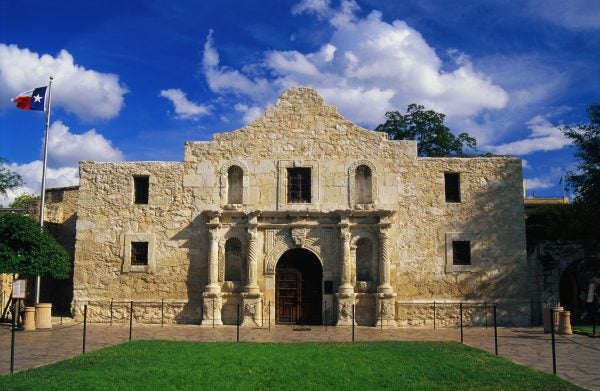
pixel 578 357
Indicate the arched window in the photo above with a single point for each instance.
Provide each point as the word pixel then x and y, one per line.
pixel 235 185
pixel 363 185
pixel 364 255
pixel 233 260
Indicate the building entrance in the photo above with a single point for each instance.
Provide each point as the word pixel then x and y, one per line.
pixel 299 294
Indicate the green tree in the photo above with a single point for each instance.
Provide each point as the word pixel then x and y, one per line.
pixel 427 127
pixel 586 180
pixel 29 250
pixel 25 200
pixel 8 178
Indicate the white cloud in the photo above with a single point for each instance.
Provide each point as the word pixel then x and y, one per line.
pixel 543 137
pixel 184 108
pixel 538 183
pixel 32 179
pixel 250 112
pixel 572 14
pixel 223 79
pixel 367 67
pixel 67 149
pixel 86 93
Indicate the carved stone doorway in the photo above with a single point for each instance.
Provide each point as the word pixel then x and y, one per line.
pixel 299 293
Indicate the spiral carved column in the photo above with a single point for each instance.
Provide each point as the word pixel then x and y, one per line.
pixel 385 304
pixel 252 298
pixel 211 298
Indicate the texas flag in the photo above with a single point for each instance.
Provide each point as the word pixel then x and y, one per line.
pixel 32 100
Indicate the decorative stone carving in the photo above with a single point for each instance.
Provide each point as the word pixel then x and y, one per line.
pixel 252 309
pixel 299 236
pixel 345 303
pixel 385 310
pixel 211 309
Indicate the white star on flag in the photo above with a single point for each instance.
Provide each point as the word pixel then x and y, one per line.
pixel 37 98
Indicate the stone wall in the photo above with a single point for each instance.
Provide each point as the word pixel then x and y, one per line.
pixel 301 131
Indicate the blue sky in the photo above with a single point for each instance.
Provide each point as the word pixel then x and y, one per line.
pixel 136 79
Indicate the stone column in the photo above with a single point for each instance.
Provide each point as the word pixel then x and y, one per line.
pixel 252 298
pixel 385 303
pixel 345 296
pixel 211 298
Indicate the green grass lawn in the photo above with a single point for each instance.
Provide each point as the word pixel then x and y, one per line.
pixel 587 328
pixel 157 365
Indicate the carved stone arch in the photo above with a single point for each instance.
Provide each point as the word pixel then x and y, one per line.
pixel 242 237
pixel 352 195
pixel 374 262
pixel 286 243
pixel 224 182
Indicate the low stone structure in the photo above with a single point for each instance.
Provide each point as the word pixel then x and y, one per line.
pixel 300 216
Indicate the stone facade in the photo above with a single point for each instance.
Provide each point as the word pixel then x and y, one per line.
pixel 371 214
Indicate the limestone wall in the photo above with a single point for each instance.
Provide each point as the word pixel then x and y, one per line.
pixel 301 131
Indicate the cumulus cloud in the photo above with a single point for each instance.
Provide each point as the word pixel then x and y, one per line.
pixel 367 67
pixel 67 149
pixel 32 179
pixel 86 93
pixel 184 108
pixel 543 137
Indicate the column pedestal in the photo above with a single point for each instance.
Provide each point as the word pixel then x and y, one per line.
pixel 211 309
pixel 386 310
pixel 252 309
pixel 345 301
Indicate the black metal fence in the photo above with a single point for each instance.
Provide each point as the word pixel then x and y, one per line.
pixel 434 315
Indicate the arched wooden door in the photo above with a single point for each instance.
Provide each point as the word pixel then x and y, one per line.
pixel 299 294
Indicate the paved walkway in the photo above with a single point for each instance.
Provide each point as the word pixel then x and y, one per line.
pixel 578 357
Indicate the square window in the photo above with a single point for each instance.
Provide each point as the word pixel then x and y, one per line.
pixel 141 185
pixel 298 185
pixel 139 253
pixel 452 186
pixel 461 252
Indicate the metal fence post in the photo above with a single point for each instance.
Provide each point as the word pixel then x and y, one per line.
pixel 213 313
pixel 461 322
pixel 353 309
pixel 495 332
pixel 485 310
pixel 553 348
pixel 381 316
pixel 434 314
pixel 269 315
pixel 130 319
pixel 111 311
pixel 262 313
pixel 531 312
pixel 162 312
pixel 12 340
pixel 84 325
pixel 326 312
pixel 238 324
pixel 594 324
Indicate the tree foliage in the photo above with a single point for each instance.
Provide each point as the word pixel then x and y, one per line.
pixel 25 200
pixel 29 250
pixel 8 178
pixel 561 222
pixel 427 127
pixel 586 180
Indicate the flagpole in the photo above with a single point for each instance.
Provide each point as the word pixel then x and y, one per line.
pixel 43 195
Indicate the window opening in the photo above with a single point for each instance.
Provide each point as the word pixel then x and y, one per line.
pixel 139 253
pixel 235 176
pixel 461 252
pixel 299 185
pixel 141 185
pixel 452 186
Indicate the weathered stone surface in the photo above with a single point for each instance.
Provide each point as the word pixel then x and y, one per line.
pixel 189 198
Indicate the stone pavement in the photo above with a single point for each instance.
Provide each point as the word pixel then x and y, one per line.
pixel 577 356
